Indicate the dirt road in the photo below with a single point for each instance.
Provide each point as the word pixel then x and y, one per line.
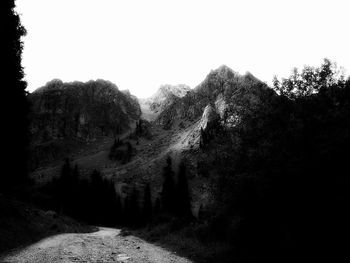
pixel 105 245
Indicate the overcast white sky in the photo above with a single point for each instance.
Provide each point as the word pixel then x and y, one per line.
pixel 140 45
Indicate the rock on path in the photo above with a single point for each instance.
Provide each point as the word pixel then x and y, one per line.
pixel 105 245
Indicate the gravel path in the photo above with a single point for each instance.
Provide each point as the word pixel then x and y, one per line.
pixel 105 245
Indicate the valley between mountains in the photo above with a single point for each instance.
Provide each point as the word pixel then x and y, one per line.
pixel 144 167
pixel 231 170
pixel 82 120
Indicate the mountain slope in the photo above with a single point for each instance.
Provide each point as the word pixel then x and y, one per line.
pixel 65 114
pixel 165 96
pixel 227 90
pixel 218 101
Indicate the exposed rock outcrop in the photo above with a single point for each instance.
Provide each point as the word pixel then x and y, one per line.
pixel 66 113
pixel 81 110
pixel 164 97
pixel 209 116
pixel 229 91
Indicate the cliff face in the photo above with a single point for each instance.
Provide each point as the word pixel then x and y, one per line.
pixel 228 91
pixel 81 110
pixel 164 97
pixel 194 119
pixel 78 112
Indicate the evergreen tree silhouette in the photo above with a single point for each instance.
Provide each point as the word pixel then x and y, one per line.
pixel 134 207
pixel 96 188
pixel 118 209
pixel 139 128
pixel 73 192
pixel 75 174
pixel 183 203
pixel 63 186
pixel 109 203
pixel 168 191
pixel 126 218
pixel 128 151
pixel 131 209
pixel 147 204
pixel 16 122
pixel 112 150
pixel 157 206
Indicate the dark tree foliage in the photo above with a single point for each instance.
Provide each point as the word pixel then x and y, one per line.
pixel 157 206
pixel 203 139
pixel 147 204
pixel 67 186
pixel 183 200
pixel 94 201
pixel 168 190
pixel 132 209
pixel 139 129
pixel 121 151
pixel 14 160
pixel 129 151
pixel 208 134
pixel 310 80
pixel 102 200
pixel 113 153
pixel 284 181
pixel 117 203
pixel 142 129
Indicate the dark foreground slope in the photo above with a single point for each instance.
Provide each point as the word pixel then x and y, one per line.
pixel 22 224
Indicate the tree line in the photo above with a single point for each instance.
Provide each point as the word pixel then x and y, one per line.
pixel 282 186
pixel 95 200
pixel 15 119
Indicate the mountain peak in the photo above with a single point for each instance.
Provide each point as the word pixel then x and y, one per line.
pixel 225 72
pixel 167 90
pixel 165 95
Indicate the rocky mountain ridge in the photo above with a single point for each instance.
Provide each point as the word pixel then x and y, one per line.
pixel 65 114
pixel 165 96
pixel 186 120
pixel 227 91
pixel 81 110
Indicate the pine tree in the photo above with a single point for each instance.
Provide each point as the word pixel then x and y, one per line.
pixel 73 191
pixel 157 206
pixel 63 186
pixel 96 196
pixel 129 151
pixel 112 154
pixel 137 128
pixel 14 159
pixel 118 209
pixel 183 203
pixel 147 204
pixel 110 203
pixel 140 127
pixel 134 207
pixel 126 211
pixel 168 191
